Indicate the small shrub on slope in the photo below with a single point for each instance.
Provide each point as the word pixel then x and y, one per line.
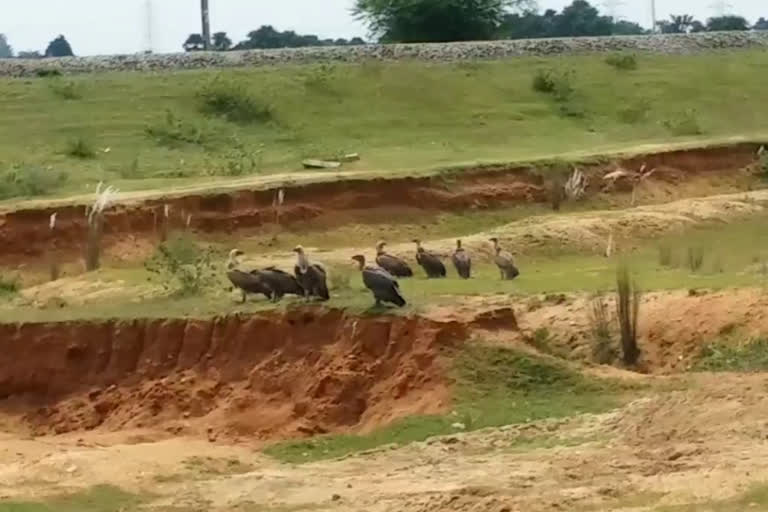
pixel 232 101
pixel 182 267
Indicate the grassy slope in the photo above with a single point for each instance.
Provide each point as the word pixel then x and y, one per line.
pixel 734 255
pixel 399 116
pixel 494 387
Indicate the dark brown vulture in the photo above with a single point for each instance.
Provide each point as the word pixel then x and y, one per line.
pixel 391 264
pixel 504 261
pixel 246 282
pixel 281 283
pixel 462 261
pixel 382 284
pixel 429 262
pixel 311 277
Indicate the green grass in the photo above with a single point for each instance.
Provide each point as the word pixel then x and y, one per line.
pixel 100 498
pixel 751 356
pixel 756 498
pixel 399 116
pixel 493 387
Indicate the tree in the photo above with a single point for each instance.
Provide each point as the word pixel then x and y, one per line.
pixel 410 21
pixel 727 23
pixel 678 24
pixel 267 36
pixel 6 52
pixel 221 42
pixel 762 24
pixel 582 19
pixel 59 47
pixel 194 43
pixel 627 28
pixel 30 55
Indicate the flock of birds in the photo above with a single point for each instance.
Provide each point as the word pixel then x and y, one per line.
pixel 309 280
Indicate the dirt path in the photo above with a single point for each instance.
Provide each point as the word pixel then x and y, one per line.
pixel 703 442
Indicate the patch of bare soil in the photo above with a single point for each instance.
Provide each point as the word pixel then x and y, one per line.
pixel 300 373
pixel 704 441
pixel 24 233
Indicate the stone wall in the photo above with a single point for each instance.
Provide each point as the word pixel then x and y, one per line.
pixel 664 44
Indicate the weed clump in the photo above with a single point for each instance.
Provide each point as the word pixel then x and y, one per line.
pixel 684 123
pixel 635 113
pixel 695 258
pixel 232 101
pixel 8 285
pixel 174 132
pixel 622 61
pixel 81 148
pixel 628 297
pixel 725 357
pixel 603 350
pixel 182 267
pixel 30 181
pixel 555 82
pixel 65 90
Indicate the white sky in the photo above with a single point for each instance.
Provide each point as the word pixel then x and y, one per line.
pixel 119 26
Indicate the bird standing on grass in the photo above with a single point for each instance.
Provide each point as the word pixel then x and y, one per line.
pixel 246 282
pixel 382 284
pixel 391 264
pixel 504 261
pixel 311 277
pixel 429 262
pixel 462 261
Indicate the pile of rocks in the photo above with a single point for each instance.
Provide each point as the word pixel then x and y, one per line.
pixel 666 44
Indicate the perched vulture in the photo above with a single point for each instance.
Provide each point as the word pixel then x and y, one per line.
pixel 462 261
pixel 311 277
pixel 281 283
pixel 429 262
pixel 504 261
pixel 392 264
pixel 382 284
pixel 245 281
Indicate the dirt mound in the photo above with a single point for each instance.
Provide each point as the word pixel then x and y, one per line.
pixel 269 375
pixel 25 232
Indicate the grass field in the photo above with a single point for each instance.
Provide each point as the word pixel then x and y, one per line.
pixel 68 132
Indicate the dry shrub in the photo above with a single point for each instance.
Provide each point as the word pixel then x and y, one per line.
pixel 603 349
pixel 95 216
pixel 628 297
pixel 695 258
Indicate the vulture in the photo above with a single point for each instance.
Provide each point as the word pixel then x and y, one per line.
pixel 382 284
pixel 392 264
pixel 462 261
pixel 504 261
pixel 247 282
pixel 311 277
pixel 429 262
pixel 281 283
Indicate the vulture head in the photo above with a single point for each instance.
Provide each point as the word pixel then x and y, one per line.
pixel 360 259
pixel 418 244
pixel 380 246
pixel 495 244
pixel 232 260
pixel 458 244
pixel 298 249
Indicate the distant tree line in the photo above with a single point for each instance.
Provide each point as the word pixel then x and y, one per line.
pixel 265 37
pixel 59 47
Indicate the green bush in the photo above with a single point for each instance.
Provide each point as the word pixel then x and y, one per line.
pixel 628 298
pixel 80 148
pixel 66 90
pixel 182 267
pixel 30 181
pixel 622 61
pixel 726 357
pixel 603 348
pixel 684 123
pixel 8 285
pixel 232 101
pixel 174 132
pixel 635 112
pixel 238 160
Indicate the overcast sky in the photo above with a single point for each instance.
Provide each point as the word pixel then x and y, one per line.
pixel 119 26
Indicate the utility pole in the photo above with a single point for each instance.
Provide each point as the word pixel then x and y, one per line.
pixel 653 16
pixel 206 24
pixel 148 13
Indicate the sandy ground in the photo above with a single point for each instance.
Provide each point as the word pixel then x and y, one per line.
pixel 707 440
